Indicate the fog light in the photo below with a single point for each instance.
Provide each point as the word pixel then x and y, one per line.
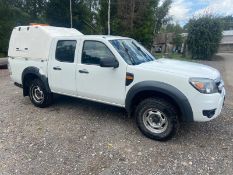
pixel 209 113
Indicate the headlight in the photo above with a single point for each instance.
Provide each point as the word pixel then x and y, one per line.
pixel 204 85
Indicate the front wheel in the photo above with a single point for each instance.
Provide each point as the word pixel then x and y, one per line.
pixel 39 95
pixel 157 118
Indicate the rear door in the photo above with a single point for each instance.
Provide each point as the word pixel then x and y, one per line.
pixel 62 67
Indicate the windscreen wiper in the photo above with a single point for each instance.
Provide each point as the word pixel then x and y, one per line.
pixel 127 51
pixel 139 48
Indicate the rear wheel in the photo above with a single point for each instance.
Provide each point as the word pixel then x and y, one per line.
pixel 38 94
pixel 157 118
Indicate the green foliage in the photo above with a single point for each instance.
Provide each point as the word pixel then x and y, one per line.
pixel 176 29
pixel 204 36
pixel 58 14
pixel 139 19
pixel 177 40
pixel 103 16
pixel 10 17
pixel 173 28
pixel 160 16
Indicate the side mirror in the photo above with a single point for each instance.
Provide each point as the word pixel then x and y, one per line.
pixel 109 62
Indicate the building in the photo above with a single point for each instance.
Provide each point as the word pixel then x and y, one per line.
pixel 164 42
pixel 226 44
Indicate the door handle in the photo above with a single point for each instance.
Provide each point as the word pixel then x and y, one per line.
pixel 56 68
pixel 84 71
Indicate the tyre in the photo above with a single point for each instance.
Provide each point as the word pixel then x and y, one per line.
pixel 157 119
pixel 39 95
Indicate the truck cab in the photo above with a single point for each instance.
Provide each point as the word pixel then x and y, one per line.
pixel 159 93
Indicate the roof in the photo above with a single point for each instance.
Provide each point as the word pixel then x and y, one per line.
pixel 227 37
pixel 163 38
pixel 107 37
pixel 228 33
pixel 53 31
pixel 35 41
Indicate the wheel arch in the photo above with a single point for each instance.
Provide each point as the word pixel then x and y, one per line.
pixel 147 89
pixel 28 75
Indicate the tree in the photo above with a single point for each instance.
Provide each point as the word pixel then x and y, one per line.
pixel 139 19
pixel 10 17
pixel 160 13
pixel 103 16
pixel 57 14
pixel 35 8
pixel 176 29
pixel 204 36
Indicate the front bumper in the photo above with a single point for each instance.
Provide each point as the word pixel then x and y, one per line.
pixel 209 106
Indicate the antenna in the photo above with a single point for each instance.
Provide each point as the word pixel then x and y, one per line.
pixel 109 13
pixel 71 17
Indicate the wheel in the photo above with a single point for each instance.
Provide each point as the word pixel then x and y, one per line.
pixel 157 119
pixel 38 94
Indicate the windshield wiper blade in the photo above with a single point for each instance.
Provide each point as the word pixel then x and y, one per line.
pixel 130 57
pixel 139 48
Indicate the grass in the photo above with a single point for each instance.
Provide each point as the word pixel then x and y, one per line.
pixel 175 56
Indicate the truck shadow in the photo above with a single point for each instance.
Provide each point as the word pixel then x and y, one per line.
pixel 86 105
pixel 188 132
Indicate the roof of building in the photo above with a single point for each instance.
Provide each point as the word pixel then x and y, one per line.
pixel 228 33
pixel 227 37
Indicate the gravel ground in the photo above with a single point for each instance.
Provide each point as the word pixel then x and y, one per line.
pixel 3 63
pixel 79 137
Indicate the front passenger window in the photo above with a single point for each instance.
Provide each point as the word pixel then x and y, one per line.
pixel 94 51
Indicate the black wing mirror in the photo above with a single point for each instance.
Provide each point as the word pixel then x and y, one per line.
pixel 109 62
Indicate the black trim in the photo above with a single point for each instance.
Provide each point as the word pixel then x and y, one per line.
pixel 83 43
pixel 61 61
pixel 128 82
pixel 160 87
pixel 34 71
pixel 18 85
pixel 209 113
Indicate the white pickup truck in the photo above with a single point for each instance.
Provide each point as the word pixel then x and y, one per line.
pixel 159 93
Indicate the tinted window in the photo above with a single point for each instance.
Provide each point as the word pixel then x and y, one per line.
pixel 94 51
pixel 65 51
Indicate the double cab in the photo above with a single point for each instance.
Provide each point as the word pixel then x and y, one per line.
pixel 119 71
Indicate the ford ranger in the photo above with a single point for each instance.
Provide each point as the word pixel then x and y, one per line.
pixel 159 93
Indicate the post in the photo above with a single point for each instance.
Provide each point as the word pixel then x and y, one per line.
pixel 71 16
pixel 109 13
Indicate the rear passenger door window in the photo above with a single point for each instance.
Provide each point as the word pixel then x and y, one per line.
pixel 65 51
pixel 94 51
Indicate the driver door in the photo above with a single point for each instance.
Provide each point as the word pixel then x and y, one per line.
pixel 99 83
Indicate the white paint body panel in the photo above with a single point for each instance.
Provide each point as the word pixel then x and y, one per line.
pixel 107 85
pixel 34 42
pixel 104 84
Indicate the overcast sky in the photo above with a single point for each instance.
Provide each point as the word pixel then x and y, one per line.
pixel 183 10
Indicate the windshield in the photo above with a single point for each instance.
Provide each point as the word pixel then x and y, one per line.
pixel 131 51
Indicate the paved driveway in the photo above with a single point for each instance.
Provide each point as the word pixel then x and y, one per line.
pixel 80 137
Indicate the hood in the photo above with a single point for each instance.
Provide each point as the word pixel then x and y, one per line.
pixel 184 68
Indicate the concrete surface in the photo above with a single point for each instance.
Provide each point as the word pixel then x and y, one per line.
pixel 80 137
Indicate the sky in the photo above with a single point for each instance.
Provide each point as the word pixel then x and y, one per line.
pixel 182 10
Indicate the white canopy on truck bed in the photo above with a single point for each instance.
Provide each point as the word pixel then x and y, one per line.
pixel 34 42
